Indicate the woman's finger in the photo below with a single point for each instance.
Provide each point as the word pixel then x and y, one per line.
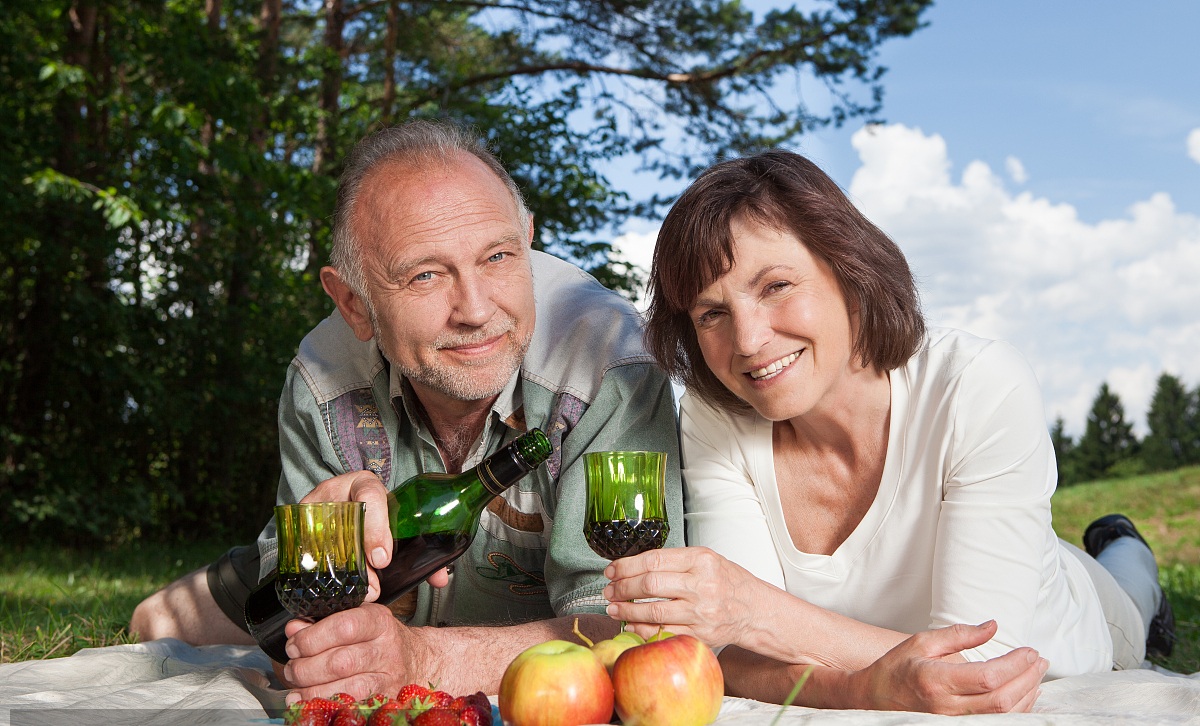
pixel 674 585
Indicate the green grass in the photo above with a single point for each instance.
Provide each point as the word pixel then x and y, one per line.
pixel 54 602
pixel 1166 509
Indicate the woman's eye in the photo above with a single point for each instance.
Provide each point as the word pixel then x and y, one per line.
pixel 777 286
pixel 707 318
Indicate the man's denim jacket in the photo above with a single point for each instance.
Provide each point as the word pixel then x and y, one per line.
pixel 586 381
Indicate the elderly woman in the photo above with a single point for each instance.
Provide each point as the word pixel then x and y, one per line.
pixel 859 486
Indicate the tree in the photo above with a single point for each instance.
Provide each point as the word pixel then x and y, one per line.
pixel 171 169
pixel 1171 439
pixel 1107 440
pixel 1064 453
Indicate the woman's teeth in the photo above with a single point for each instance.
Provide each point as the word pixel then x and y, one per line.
pixel 774 368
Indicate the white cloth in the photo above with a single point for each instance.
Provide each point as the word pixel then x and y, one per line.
pixel 168 682
pixel 959 531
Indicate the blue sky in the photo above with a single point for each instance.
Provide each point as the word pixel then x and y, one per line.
pixel 1040 166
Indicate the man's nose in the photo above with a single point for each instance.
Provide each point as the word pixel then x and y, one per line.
pixel 473 304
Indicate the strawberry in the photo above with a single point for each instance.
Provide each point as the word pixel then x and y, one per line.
pixel 412 693
pixel 440 699
pixel 470 716
pixel 437 717
pixel 375 700
pixel 313 712
pixel 389 714
pixel 343 698
pixel 355 715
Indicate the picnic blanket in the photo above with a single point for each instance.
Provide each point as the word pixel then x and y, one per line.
pixel 170 682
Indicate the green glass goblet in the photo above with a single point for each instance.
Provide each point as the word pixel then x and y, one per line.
pixel 322 567
pixel 626 502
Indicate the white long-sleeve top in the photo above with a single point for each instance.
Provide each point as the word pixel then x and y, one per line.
pixel 959 531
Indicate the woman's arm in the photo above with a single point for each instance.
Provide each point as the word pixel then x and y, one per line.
pixel 914 676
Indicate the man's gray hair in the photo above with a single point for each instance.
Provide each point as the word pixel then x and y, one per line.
pixel 420 142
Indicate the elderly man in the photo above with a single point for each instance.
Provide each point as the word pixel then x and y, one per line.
pixel 432 361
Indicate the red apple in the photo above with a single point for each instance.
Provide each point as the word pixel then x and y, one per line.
pixel 675 681
pixel 556 683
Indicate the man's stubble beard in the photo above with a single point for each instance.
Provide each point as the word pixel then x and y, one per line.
pixel 461 382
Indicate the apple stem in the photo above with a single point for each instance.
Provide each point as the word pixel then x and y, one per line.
pixel 582 637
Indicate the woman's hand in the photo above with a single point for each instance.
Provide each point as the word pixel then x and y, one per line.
pixel 917 676
pixel 706 595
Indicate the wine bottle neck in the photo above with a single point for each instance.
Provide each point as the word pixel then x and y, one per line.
pixel 501 470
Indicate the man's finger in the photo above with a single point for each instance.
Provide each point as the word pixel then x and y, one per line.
pixel 356 625
pixel 377 534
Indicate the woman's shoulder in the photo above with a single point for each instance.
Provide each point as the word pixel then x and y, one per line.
pixel 952 351
pixel 697 414
pixel 953 358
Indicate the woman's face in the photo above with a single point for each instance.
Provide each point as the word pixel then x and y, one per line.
pixel 775 328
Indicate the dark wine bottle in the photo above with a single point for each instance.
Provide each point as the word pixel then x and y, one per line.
pixel 433 518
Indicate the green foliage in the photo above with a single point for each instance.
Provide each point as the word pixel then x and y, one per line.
pixel 1172 441
pixel 1108 439
pixel 171 168
pixel 1064 453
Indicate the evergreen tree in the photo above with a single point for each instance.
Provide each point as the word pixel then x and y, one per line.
pixel 1108 439
pixel 1064 453
pixel 1170 441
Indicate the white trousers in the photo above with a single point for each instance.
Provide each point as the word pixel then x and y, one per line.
pixel 1126 578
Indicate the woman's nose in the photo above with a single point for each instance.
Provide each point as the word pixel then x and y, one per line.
pixel 751 331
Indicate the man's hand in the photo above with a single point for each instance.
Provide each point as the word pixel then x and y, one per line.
pixel 364 486
pixel 915 676
pixel 360 651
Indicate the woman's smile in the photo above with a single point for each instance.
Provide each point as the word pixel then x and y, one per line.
pixel 771 370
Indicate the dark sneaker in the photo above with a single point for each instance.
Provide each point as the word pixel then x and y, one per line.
pixel 1099 535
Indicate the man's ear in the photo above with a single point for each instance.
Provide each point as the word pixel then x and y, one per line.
pixel 352 308
pixel 529 242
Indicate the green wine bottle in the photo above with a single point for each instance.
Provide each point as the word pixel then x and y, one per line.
pixel 433 518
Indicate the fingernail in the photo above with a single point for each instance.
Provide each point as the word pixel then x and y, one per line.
pixel 985 623
pixel 287 674
pixel 292 652
pixel 611 610
pixel 292 697
pixel 378 557
pixel 610 571
pixel 1044 665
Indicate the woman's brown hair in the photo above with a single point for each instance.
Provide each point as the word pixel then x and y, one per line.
pixel 787 192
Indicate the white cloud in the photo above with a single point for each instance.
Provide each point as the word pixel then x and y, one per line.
pixel 1016 170
pixel 1193 144
pixel 1112 301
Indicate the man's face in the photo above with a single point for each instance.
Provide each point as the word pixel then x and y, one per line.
pixel 446 261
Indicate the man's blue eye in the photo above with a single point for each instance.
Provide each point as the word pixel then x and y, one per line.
pixel 497 257
pixel 423 277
